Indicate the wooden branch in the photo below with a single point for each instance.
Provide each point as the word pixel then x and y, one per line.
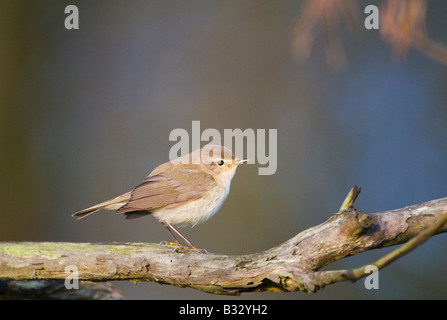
pixel 290 266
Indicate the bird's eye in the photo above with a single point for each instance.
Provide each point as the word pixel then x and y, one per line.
pixel 220 162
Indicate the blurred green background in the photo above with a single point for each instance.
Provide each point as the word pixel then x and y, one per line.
pixel 86 114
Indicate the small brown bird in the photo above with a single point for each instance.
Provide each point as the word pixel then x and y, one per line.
pixel 186 191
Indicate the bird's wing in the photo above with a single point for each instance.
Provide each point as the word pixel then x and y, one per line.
pixel 159 190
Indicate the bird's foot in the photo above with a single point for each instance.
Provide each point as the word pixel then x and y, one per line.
pixel 181 247
pixel 171 243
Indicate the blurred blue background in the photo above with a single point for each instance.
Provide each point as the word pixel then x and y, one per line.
pixel 86 114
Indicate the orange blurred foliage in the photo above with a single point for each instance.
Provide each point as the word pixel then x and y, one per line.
pixel 402 25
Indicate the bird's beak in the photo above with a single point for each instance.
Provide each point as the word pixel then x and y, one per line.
pixel 240 161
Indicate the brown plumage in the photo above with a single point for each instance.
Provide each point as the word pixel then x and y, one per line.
pixel 188 190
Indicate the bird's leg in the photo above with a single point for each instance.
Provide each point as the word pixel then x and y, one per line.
pixel 175 242
pixel 169 227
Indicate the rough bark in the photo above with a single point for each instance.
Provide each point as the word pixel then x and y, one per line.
pixel 291 266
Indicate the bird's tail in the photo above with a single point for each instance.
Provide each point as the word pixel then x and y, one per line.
pixel 112 204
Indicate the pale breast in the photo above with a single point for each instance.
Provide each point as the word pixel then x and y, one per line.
pixel 196 211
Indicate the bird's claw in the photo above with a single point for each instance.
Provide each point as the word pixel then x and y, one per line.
pixel 181 247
